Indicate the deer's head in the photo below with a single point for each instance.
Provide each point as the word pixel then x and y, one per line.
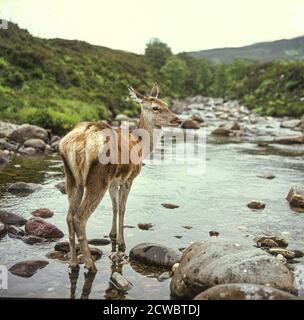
pixel 154 110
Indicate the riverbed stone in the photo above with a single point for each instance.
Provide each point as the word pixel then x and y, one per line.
pixel 15 232
pixel 26 132
pixel 145 226
pixel 219 261
pixel 295 196
pixel 99 242
pixel 271 241
pixel 170 205
pixel 27 269
pixel 120 281
pixel 59 255
pixel 30 239
pixel 10 218
pixel 190 124
pixel 290 124
pixel 242 291
pixel 257 205
pixel 29 151
pixel 3 229
pixel 61 187
pixel 43 213
pixel 24 187
pixel 41 228
pixel 155 254
pixel 298 139
pixel 37 144
pixel 288 254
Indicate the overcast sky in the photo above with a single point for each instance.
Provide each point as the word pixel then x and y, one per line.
pixel 186 25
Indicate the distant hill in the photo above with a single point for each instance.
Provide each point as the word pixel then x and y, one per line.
pixel 290 49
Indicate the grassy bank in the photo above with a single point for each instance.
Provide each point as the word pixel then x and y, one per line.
pixel 57 83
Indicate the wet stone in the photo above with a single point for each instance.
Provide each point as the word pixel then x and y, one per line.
pixel 170 206
pixel 241 291
pixel 61 187
pixel 24 187
pixel 10 218
pixel 43 213
pixel 257 205
pixel 32 239
pixel 145 226
pixel 99 242
pixel 295 197
pixel 40 228
pixel 154 254
pixel 27 269
pixel 120 282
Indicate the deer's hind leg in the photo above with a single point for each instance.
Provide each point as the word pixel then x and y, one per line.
pixel 75 194
pixel 96 186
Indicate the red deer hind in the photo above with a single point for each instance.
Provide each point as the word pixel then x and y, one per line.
pixel 88 179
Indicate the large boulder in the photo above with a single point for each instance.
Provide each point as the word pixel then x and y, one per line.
pixel 10 218
pixel 290 124
pixel 26 269
pixel 216 261
pixel 244 291
pixel 289 139
pixel 295 197
pixel 7 128
pixel 37 144
pixel 154 254
pixel 26 132
pixel 40 228
pixel 24 187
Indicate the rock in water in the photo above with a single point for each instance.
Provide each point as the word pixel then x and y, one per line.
pixel 99 242
pixel 271 241
pixel 40 228
pixel 241 291
pixel 288 254
pixel 120 281
pixel 32 239
pixel 61 187
pixel 14 232
pixel 190 124
pixel 26 132
pixel 268 176
pixel 145 226
pixel 289 139
pixel 11 218
pixel 155 254
pixel 257 205
pixel 296 196
pixel 43 213
pixel 290 124
pixel 216 261
pixel 170 206
pixel 4 158
pixel 37 144
pixel 24 187
pixel 26 269
pixel 3 229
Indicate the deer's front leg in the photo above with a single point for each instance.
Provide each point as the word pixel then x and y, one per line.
pixel 123 196
pixel 114 193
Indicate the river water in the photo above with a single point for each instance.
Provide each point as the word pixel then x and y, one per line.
pixel 214 198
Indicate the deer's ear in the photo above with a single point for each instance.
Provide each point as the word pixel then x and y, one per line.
pixel 154 91
pixel 135 95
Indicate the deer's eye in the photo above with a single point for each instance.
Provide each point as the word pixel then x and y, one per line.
pixel 155 109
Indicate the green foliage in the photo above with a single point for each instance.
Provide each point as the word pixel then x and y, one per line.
pixel 157 53
pixel 175 72
pixel 57 83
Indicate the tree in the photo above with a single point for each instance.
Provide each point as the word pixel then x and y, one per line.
pixel 220 84
pixel 175 73
pixel 157 53
pixel 204 77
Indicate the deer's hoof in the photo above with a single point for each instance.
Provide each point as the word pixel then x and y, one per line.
pixel 118 258
pixel 91 268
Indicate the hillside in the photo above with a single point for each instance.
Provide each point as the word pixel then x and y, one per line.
pixel 57 83
pixel 292 49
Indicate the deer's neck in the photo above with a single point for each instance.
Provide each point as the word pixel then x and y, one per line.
pixel 146 124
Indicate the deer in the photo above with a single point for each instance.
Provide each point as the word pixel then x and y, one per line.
pixel 87 179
